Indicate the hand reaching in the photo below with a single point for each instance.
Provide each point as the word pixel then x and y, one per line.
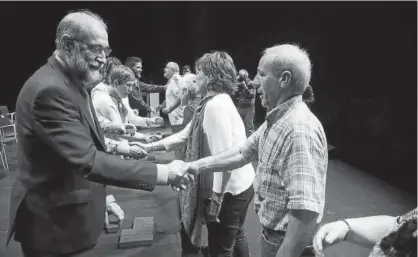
pixel 130 128
pixel 153 110
pixel 114 208
pixel 157 120
pixel 158 108
pixel 329 234
pixel 137 152
pixel 166 110
pixel 178 175
pixel 145 146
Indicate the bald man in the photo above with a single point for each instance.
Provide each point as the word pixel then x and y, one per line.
pixel 58 201
pixel 175 115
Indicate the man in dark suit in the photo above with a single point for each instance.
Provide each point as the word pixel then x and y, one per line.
pixel 57 205
pixel 136 99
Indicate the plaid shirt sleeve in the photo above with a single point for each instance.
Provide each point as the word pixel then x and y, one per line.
pixel 303 174
pixel 250 148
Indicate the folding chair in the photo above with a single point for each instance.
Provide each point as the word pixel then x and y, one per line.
pixel 5 111
pixel 7 135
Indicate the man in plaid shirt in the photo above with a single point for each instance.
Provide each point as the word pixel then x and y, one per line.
pixel 291 150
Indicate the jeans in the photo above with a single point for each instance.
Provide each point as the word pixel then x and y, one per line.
pixel 272 240
pixel 247 115
pixel 227 238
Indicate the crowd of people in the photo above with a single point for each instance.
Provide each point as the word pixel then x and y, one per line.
pixel 79 120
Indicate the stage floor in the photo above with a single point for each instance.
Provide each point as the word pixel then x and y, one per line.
pixel 350 193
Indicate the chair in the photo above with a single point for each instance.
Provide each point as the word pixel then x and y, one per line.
pixel 7 135
pixel 5 111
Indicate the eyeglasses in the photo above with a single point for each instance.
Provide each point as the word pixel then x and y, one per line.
pixel 96 49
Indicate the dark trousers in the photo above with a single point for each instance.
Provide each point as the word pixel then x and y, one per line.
pixel 227 238
pixel 247 115
pixel 31 252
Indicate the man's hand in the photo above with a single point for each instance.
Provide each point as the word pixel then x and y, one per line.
pixel 178 177
pixel 137 152
pixel 120 129
pixel 166 110
pixel 114 208
pixel 153 110
pixel 136 112
pixel 130 129
pixel 157 120
pixel 158 108
pixel 145 146
pixel 329 234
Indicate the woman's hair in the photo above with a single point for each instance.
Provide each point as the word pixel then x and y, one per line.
pixel 308 96
pixel 111 62
pixel 120 74
pixel 219 67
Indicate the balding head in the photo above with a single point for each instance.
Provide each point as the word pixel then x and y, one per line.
pixel 82 43
pixel 292 58
pixel 78 24
pixel 171 69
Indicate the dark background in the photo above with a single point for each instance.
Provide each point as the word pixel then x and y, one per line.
pixel 364 56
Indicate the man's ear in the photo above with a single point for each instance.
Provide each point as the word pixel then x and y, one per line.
pixel 285 79
pixel 67 44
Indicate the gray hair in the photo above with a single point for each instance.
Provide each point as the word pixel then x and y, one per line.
pixel 70 24
pixel 291 57
pixel 174 66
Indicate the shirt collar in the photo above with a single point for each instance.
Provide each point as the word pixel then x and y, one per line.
pixel 278 112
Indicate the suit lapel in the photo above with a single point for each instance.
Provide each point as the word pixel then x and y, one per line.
pixel 80 100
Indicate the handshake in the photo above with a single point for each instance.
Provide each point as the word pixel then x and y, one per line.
pixel 181 174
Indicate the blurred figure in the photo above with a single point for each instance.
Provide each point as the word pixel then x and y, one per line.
pixel 245 101
pixel 186 69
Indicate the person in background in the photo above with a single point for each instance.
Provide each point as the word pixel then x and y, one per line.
pixel 245 101
pixel 136 98
pixel 175 115
pixel 388 236
pixel 58 200
pixel 186 69
pixel 108 103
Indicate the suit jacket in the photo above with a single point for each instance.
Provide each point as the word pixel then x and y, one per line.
pixel 58 200
pixel 136 99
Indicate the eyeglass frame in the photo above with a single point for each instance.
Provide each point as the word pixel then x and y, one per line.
pixel 96 49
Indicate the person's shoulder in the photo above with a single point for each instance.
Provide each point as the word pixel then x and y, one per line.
pixel 220 102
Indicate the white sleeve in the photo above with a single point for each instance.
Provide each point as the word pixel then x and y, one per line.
pixel 177 140
pixel 132 118
pixel 218 127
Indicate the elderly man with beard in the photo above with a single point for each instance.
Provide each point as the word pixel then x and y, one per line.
pixel 58 200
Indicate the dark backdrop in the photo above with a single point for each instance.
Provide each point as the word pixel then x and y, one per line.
pixel 364 56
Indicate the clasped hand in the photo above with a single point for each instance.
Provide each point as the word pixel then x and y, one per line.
pixel 181 174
